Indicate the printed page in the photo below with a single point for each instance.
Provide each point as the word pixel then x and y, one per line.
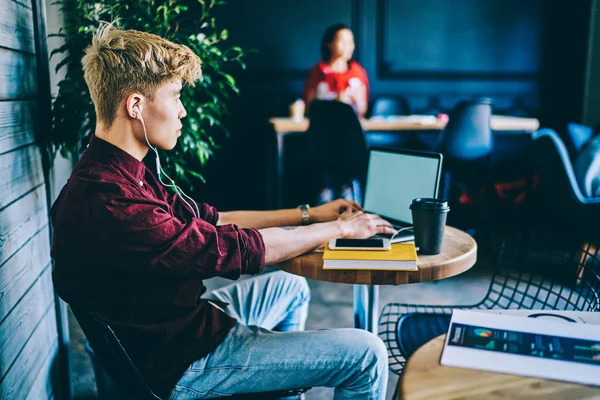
pixel 543 347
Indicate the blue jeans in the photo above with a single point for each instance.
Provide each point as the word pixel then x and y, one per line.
pixel 266 350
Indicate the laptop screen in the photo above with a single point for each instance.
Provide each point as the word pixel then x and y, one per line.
pixel 395 178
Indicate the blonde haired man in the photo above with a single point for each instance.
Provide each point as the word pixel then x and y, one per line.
pixel 136 255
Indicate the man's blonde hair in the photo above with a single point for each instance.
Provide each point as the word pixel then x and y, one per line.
pixel 120 62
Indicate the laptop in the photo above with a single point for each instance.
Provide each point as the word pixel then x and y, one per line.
pixel 396 177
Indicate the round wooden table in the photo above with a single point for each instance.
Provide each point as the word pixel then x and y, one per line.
pixel 424 378
pixel 459 253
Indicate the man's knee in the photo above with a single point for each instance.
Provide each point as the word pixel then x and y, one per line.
pixel 373 348
pixel 294 283
pixel 302 284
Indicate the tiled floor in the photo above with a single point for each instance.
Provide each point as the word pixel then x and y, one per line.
pixel 331 307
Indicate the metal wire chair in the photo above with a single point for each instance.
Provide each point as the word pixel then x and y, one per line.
pixel 551 269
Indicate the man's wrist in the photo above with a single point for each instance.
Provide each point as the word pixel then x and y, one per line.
pixel 304 214
pixel 340 229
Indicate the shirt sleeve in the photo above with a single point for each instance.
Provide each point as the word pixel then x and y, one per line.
pixel 315 76
pixel 207 212
pixel 148 239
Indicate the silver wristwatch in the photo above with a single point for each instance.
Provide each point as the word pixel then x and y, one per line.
pixel 305 216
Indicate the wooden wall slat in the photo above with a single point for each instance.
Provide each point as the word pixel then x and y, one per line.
pixel 42 388
pixel 17 75
pixel 24 3
pixel 22 320
pixel 20 172
pixel 29 336
pixel 21 376
pixel 16 124
pixel 16 27
pixel 20 221
pixel 20 271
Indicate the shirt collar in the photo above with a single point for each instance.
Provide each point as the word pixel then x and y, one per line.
pixel 106 152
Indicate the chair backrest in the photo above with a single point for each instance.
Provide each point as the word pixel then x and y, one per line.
pixel 113 357
pixel 337 138
pixel 558 184
pixel 386 106
pixel 547 266
pixel 468 135
pixel 576 137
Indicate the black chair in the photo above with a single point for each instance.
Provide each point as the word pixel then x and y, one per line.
pixel 388 106
pixel 558 186
pixel 337 146
pixel 576 137
pixel 541 269
pixel 121 369
pixel 467 143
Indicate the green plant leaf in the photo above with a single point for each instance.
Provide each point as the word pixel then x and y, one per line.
pixel 181 21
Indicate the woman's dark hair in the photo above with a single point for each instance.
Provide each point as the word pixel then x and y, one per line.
pixel 328 37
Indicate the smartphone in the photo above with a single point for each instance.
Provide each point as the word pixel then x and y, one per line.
pixel 360 244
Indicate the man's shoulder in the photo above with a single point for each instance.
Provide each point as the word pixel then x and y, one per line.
pixel 88 172
pixel 91 183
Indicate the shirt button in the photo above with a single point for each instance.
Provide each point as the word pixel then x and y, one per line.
pixel 141 183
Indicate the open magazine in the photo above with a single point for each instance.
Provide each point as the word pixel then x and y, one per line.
pixel 562 346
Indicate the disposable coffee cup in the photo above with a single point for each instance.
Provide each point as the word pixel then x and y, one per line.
pixel 429 222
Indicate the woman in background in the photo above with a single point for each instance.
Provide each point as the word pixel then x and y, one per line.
pixel 336 76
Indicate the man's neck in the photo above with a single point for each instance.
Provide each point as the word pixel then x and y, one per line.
pixel 123 138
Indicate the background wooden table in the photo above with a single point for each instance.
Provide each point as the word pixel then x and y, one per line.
pixel 284 126
pixel 287 126
pixel 425 378
pixel 459 253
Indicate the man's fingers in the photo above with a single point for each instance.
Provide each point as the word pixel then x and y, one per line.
pixel 349 205
pixel 355 205
pixel 347 211
pixel 385 229
pixel 382 221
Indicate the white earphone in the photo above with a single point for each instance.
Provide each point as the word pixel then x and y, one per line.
pixel 160 171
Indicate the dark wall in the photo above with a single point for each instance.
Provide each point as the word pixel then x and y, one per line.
pixel 432 52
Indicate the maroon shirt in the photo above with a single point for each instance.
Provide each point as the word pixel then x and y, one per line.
pixel 126 249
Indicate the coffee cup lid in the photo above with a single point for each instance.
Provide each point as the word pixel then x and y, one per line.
pixel 422 203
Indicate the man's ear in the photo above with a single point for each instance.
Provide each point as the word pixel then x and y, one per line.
pixel 134 105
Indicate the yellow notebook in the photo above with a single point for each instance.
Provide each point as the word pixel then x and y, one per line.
pixel 402 257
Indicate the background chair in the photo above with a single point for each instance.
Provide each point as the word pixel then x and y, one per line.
pixel 561 194
pixel 337 146
pixel 576 137
pixel 467 143
pixel 388 106
pixel 116 374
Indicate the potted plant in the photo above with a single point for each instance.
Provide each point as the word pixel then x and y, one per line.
pixel 191 23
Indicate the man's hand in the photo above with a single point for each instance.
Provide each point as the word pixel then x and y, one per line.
pixel 358 225
pixel 333 210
